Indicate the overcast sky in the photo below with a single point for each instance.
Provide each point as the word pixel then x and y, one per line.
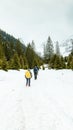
pixel 37 19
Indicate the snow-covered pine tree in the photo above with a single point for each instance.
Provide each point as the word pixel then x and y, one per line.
pixel 48 50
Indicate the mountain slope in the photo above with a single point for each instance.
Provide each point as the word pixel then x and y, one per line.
pixel 5 37
pixel 67 46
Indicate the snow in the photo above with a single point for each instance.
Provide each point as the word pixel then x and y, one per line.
pixel 46 105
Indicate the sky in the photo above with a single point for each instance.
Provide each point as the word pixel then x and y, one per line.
pixel 37 19
pixel 46 105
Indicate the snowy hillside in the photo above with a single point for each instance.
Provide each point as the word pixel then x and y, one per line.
pixel 46 105
pixel 66 46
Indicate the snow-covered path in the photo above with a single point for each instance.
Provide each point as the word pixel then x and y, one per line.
pixel 46 105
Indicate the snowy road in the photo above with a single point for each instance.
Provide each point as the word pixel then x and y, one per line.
pixel 46 105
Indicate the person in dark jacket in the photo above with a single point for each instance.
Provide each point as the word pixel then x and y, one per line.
pixel 35 70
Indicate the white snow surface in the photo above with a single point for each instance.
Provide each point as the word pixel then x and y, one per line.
pixel 46 105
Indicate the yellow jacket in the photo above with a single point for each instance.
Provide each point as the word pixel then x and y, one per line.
pixel 28 74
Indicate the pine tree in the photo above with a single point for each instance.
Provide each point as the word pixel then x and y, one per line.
pixel 3 60
pixel 15 62
pixel 25 62
pixel 72 47
pixel 5 64
pixel 48 50
pixel 29 55
pixel 33 45
pixel 18 48
pixel 69 59
pixel 57 62
pixel 71 64
pixel 21 62
pixel 7 50
pixel 1 51
pixel 57 49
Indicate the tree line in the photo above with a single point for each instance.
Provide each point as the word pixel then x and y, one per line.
pixel 14 55
pixel 53 57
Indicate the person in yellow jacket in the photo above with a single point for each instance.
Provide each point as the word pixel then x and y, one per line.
pixel 28 76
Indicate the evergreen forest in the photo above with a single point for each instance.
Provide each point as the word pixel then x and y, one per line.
pixel 15 55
